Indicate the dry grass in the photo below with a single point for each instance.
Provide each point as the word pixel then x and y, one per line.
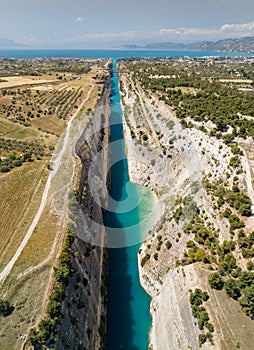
pixel 236 81
pixel 228 318
pixel 186 90
pixel 20 196
pixel 27 295
pixel 24 80
pixel 9 129
pixel 41 242
pixel 53 125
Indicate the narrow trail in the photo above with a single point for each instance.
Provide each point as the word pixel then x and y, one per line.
pixel 6 271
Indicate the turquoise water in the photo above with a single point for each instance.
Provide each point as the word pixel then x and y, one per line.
pixel 115 54
pixel 129 319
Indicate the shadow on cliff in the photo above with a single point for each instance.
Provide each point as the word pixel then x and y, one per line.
pixel 120 330
pixel 120 326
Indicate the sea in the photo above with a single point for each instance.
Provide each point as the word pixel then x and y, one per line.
pixel 114 54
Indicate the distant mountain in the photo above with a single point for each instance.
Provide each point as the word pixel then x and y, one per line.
pixel 245 44
pixel 6 43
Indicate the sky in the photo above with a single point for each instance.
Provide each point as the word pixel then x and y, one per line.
pixel 109 23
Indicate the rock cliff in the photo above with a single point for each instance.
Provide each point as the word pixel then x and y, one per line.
pixel 84 309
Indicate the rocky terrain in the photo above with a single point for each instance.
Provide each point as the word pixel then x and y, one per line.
pixel 174 162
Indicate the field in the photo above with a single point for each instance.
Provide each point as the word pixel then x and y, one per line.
pixel 21 81
pixel 19 199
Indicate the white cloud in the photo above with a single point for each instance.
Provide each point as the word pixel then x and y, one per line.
pixel 181 34
pixel 175 34
pixel 79 20
pixel 226 30
pixel 244 28
pixel 121 35
pixel 170 31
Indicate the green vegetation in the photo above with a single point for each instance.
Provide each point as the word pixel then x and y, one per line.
pixel 246 243
pixel 240 286
pixel 47 328
pixel 22 67
pixel 235 198
pixel 215 281
pixel 5 308
pixel 18 152
pixel 213 100
pixel 235 222
pixel 186 208
pixel 197 298
pixel 168 245
pixel 27 106
pixel 145 259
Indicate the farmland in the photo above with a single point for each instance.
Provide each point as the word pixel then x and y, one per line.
pixel 37 99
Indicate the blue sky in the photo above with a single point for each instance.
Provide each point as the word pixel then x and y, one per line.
pixel 106 23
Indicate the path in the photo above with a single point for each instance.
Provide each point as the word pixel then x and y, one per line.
pixel 6 271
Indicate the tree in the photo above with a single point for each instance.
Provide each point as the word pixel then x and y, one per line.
pixel 5 308
pixel 215 281
pixel 61 274
pixel 33 337
pixel 247 301
pixel 232 288
pixel 54 309
pixel 202 339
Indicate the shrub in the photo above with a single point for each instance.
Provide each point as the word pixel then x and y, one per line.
pixel 156 256
pixel 145 259
pixel 5 308
pixel 247 301
pixel 234 162
pixel 202 339
pixel 168 245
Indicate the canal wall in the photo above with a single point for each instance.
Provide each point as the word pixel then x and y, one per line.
pixel 84 309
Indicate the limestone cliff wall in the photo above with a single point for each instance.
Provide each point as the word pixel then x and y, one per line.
pixel 165 166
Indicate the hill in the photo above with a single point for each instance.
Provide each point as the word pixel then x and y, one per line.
pixel 245 44
pixel 6 43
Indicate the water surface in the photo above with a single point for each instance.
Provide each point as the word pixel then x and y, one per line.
pixel 129 319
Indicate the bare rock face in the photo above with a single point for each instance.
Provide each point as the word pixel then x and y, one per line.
pixel 84 309
pixel 172 162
